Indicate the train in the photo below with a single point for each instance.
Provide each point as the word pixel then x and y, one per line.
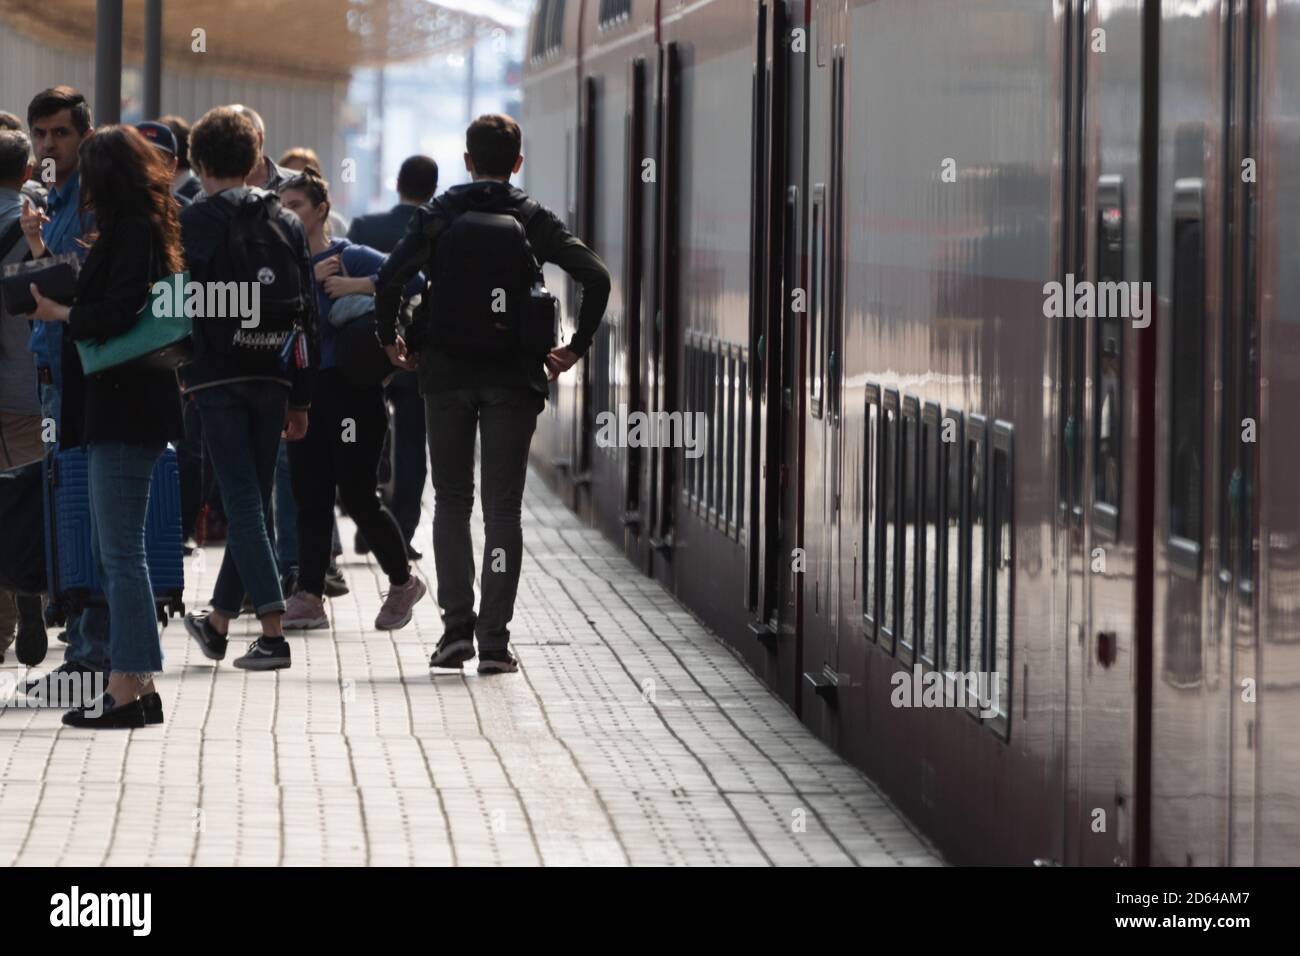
pixel 985 312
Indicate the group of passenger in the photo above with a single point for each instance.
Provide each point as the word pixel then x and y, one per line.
pixel 274 412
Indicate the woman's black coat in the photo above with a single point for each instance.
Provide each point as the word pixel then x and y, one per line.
pixel 137 407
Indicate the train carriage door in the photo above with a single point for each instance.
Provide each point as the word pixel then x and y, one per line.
pixel 1268 483
pixel 588 191
pixel 768 234
pixel 662 360
pixel 1206 383
pixel 823 351
pixel 634 262
pixel 1110 520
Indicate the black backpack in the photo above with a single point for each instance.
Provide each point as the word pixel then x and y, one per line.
pixel 259 248
pixel 487 293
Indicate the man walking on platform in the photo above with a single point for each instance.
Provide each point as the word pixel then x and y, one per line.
pixel 483 244
pixel 417 181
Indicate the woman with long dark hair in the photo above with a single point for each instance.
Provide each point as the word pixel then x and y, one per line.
pixel 123 418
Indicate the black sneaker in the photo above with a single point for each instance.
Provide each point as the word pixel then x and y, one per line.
pixel 497 662
pixel 61 637
pixel 104 714
pixel 68 685
pixel 153 712
pixel 412 554
pixel 455 648
pixel 212 644
pixel 33 643
pixel 265 655
pixel 335 585
pixel 359 543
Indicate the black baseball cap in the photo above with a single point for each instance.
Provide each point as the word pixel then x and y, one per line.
pixel 159 134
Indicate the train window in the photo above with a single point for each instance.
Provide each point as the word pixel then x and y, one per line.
pixel 1108 354
pixel 727 472
pixel 1002 568
pixel 870 513
pixel 948 635
pixel 602 384
pixel 688 390
pixel 816 307
pixel 614 11
pixel 887 535
pixel 974 579
pixel 723 409
pixel 833 332
pixel 555 26
pixel 742 446
pixel 701 398
pixel 711 457
pixel 908 497
pixel 540 23
pixel 1187 382
pixel 928 516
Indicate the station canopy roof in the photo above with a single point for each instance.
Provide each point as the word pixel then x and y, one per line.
pixel 303 39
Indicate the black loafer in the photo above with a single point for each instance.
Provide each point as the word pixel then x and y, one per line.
pixel 153 712
pixel 105 714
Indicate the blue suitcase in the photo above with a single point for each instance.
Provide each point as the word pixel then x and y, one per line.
pixel 69 561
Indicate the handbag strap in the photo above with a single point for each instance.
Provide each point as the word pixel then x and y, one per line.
pixel 10 238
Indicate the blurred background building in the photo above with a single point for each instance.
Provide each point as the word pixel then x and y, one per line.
pixel 365 83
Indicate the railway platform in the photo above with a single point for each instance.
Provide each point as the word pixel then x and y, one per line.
pixel 630 736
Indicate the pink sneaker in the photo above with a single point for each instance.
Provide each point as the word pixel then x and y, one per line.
pixel 304 612
pixel 396 612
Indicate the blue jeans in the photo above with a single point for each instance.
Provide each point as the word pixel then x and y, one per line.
pixel 286 513
pixel 52 406
pixel 120 475
pixel 410 463
pixel 87 634
pixel 242 423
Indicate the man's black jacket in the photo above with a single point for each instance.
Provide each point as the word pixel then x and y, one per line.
pixel 442 369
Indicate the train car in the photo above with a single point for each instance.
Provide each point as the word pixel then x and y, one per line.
pixel 986 313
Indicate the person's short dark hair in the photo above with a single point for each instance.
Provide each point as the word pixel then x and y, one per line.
pixel 9 121
pixel 58 98
pixel 224 143
pixel 181 130
pixel 15 154
pixel 493 142
pixel 418 178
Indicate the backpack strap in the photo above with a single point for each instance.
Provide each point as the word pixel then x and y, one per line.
pixel 528 211
pixel 10 238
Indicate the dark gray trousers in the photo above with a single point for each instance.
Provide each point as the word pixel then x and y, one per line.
pixel 505 418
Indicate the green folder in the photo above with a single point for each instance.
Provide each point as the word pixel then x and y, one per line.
pixel 160 340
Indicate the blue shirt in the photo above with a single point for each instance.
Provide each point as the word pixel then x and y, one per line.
pixel 358 262
pixel 61 233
